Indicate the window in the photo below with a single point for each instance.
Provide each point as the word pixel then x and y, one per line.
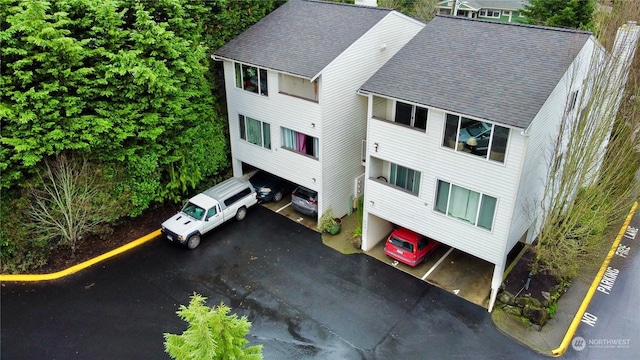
pixel 252 79
pixel 237 196
pixel 490 13
pixel 475 137
pixel 211 212
pixel 466 205
pixel 405 178
pixel 300 142
pixel 255 132
pixel 571 103
pixel 411 115
pixel 506 13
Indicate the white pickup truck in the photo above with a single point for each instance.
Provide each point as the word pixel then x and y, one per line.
pixel 205 211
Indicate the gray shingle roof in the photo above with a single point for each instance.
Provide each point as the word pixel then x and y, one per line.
pixel 502 4
pixel 302 37
pixel 500 72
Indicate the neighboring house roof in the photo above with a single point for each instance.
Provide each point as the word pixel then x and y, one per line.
pixel 476 5
pixel 501 72
pixel 502 4
pixel 302 37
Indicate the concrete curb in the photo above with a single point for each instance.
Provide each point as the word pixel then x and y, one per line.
pixel 592 289
pixel 82 265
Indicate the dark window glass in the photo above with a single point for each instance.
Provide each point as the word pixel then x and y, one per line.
pixel 420 120
pixel 403 113
pixel 451 128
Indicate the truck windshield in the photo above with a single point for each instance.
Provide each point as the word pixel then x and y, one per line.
pixel 193 210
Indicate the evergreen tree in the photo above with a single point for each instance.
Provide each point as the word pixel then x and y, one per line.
pixel 574 14
pixel 121 80
pixel 212 334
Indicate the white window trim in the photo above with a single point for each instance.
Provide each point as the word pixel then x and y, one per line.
pixel 243 137
pixel 417 192
pixel 490 145
pixel 446 212
pixel 414 107
pixel 316 143
pixel 485 13
pixel 242 79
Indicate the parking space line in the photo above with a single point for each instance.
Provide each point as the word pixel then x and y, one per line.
pixel 284 207
pixel 437 263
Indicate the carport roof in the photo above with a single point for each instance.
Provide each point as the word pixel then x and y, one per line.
pixel 501 72
pixel 302 37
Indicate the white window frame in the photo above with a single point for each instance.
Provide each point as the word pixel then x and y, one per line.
pixel 292 143
pixel 414 109
pixel 460 148
pixel 261 77
pixel 491 13
pixel 474 218
pixel 265 131
pixel 415 181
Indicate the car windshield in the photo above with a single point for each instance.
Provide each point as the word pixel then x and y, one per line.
pixel 477 129
pixel 193 210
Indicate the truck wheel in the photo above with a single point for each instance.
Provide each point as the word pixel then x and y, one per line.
pixel 242 212
pixel 193 242
pixel 277 196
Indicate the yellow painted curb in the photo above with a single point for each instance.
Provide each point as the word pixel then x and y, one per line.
pixel 587 299
pixel 82 265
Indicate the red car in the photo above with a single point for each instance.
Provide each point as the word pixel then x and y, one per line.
pixel 409 247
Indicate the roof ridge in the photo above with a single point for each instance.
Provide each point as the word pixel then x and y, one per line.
pixel 567 30
pixel 350 5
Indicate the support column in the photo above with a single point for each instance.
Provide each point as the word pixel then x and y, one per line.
pixel 237 167
pixel 496 282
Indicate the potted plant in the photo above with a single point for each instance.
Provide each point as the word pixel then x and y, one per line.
pixel 329 223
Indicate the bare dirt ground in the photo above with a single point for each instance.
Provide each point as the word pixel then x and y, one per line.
pixel 517 279
pixel 126 230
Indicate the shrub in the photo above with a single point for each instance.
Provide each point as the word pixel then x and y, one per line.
pixel 212 334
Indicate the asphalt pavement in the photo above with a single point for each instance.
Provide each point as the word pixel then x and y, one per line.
pixel 305 300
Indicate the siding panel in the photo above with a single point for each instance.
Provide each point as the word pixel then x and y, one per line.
pixel 344 113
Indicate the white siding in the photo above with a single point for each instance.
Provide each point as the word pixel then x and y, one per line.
pixel 338 119
pixel 542 135
pixel 344 113
pixel 422 151
pixel 278 110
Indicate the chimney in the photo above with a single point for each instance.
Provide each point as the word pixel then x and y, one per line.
pixel 373 3
pixel 626 40
pixel 623 51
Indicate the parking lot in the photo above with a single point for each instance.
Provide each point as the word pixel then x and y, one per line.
pixel 305 300
pixel 452 270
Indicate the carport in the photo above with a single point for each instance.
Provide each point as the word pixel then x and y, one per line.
pixel 282 207
pixel 453 270
pixel 447 268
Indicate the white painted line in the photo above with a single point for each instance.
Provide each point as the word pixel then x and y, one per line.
pixel 437 263
pixel 284 207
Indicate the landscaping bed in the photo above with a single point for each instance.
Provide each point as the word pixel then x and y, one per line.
pixel 533 297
